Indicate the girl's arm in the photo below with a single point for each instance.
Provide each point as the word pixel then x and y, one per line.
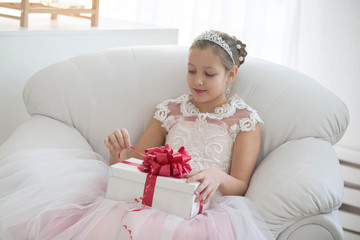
pixel 153 136
pixel 119 140
pixel 245 153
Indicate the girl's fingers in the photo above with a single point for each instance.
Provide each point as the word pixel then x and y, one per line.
pixel 204 194
pixel 107 143
pixel 206 190
pixel 120 138
pixel 190 174
pixel 200 189
pixel 114 142
pixel 193 177
pixel 126 138
pixel 208 197
pixel 118 141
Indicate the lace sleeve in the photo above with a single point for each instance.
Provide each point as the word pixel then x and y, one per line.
pixel 168 111
pixel 249 123
pixel 162 111
pixel 163 115
pixel 247 120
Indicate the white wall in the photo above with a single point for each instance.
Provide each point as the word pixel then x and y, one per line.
pixel 22 53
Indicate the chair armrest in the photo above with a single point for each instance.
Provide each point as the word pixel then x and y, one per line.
pixel 325 226
pixel 43 132
pixel 299 179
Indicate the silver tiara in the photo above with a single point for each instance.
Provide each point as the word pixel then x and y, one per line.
pixel 215 38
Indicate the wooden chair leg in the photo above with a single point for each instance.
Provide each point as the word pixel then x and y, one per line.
pixel 95 15
pixel 24 18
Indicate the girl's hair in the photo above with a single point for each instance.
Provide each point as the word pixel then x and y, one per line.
pixel 237 48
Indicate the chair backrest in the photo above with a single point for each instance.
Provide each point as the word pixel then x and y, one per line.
pixel 101 91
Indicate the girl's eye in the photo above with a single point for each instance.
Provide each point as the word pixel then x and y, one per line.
pixel 191 71
pixel 209 75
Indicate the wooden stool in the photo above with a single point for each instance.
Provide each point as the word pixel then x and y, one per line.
pixel 26 8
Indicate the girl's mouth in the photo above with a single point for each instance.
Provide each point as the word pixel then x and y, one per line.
pixel 198 91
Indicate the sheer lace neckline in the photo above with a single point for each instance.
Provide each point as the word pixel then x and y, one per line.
pixel 228 109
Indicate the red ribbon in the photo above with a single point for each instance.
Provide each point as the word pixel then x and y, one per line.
pixel 149 185
pixel 162 161
pixel 131 163
pixel 149 188
pixel 200 207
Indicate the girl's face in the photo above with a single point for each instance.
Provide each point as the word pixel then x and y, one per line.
pixel 207 79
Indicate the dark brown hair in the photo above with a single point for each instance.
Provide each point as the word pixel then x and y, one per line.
pixel 233 42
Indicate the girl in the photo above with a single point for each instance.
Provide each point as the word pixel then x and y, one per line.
pixel 221 133
pixel 58 194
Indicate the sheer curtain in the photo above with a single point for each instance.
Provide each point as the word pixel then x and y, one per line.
pixel 271 30
pixel 191 17
pixel 319 38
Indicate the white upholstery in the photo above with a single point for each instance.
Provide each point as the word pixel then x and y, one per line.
pixel 301 177
pixel 297 185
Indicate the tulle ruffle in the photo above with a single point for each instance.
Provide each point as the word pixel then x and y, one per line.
pixel 60 194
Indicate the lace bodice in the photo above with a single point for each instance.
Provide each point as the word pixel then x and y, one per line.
pixel 208 137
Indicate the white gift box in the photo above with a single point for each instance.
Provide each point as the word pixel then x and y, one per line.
pixel 171 195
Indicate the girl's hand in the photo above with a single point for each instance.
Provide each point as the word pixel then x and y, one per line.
pixel 210 181
pixel 118 141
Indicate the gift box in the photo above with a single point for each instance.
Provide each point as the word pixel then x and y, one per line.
pixel 169 194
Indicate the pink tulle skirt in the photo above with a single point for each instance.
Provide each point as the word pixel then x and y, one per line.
pixel 60 194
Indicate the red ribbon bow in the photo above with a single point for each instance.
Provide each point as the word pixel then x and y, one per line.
pixel 162 161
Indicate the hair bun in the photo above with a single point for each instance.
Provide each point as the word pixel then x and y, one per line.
pixel 241 51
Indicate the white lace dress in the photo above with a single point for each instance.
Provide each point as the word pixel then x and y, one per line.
pixel 67 200
pixel 208 137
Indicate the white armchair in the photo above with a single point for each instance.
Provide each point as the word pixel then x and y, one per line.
pixel 297 185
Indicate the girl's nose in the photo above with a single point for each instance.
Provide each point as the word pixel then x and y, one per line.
pixel 199 81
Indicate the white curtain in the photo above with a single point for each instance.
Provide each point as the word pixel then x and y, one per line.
pixel 319 38
pixel 271 29
pixel 191 17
